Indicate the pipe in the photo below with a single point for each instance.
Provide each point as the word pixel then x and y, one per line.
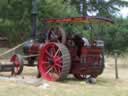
pixel 34 18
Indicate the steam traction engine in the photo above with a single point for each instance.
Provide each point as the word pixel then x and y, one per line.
pixel 59 55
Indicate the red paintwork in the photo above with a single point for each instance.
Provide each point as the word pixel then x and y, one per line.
pixel 90 61
pixel 84 19
pixel 92 56
pixel 35 48
pixel 15 60
pixel 93 66
pixel 50 62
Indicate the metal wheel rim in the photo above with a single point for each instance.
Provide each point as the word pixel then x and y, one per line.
pixel 52 64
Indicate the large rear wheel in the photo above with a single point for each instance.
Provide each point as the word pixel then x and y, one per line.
pixel 54 61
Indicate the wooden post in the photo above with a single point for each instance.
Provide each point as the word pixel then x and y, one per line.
pixel 116 66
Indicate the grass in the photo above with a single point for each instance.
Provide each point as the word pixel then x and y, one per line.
pixel 106 84
pixel 104 87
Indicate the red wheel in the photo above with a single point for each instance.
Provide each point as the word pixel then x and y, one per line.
pixel 17 60
pixel 56 34
pixel 54 61
pixel 80 76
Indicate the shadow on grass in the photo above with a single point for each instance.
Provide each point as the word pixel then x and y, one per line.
pixel 70 79
pixel 101 81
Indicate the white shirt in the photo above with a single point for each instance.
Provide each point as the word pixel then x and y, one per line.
pixel 86 42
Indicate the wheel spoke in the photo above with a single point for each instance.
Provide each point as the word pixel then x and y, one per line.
pixel 55 69
pixel 59 70
pixel 48 53
pixel 16 62
pixel 56 53
pixel 49 70
pixel 48 66
pixel 44 62
pixel 53 50
pixel 17 69
pixel 59 60
pixel 58 65
pixel 53 36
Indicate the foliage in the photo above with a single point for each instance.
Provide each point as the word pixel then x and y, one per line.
pixel 115 36
pixel 106 8
pixel 15 19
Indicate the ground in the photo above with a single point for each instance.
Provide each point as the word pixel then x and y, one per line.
pixel 106 84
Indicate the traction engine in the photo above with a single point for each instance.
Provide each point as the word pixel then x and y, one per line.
pixel 60 54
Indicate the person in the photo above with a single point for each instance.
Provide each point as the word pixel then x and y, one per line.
pixel 79 42
pixel 86 42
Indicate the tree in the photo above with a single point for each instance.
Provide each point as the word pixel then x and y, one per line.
pixel 105 8
pixel 108 8
pixel 115 35
pixel 15 20
pixel 3 3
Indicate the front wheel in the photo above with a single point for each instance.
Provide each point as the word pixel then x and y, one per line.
pixel 17 61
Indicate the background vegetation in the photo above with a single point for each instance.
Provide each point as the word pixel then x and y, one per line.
pixel 15 19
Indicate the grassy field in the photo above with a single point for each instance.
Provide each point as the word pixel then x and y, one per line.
pixel 106 84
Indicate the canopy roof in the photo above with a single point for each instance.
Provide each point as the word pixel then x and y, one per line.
pixel 84 19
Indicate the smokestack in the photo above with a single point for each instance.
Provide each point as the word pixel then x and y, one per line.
pixel 34 18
